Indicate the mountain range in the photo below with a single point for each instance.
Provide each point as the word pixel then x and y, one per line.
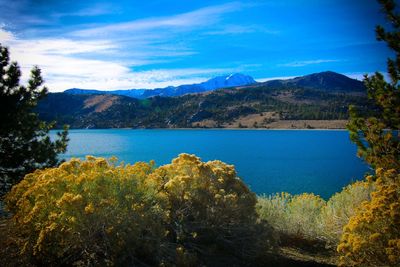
pixel 231 80
pixel 327 80
pixel 301 102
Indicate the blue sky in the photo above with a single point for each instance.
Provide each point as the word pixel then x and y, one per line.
pixel 148 44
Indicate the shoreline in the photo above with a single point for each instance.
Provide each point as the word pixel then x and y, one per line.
pixel 213 129
pixel 250 125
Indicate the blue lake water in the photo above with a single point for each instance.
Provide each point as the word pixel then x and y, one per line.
pixel 269 161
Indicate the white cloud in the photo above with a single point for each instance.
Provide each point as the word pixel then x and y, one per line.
pixel 65 46
pixel 275 78
pixel 240 29
pixel 63 67
pixel 307 62
pixel 5 36
pixel 137 80
pixel 196 18
pixel 108 57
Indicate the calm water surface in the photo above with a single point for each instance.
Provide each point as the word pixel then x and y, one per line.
pixel 269 161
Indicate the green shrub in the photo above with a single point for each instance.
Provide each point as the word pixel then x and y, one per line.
pixel 307 216
pixel 341 207
pixel 296 215
pixel 273 209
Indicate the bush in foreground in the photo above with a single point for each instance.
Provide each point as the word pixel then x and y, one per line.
pixel 372 236
pixel 341 207
pixel 292 215
pixel 94 212
pixel 88 212
pixel 212 212
pixel 310 217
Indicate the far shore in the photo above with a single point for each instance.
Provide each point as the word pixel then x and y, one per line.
pixel 214 129
pixel 287 125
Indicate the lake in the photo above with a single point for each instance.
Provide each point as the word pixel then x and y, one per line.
pixel 269 161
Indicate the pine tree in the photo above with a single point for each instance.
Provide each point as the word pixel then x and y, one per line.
pixel 25 144
pixel 372 236
pixel 377 136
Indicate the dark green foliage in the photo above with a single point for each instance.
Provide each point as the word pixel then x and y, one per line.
pixel 24 141
pixel 377 135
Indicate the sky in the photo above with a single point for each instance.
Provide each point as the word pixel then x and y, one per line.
pixel 127 44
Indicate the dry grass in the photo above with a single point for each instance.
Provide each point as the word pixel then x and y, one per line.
pixel 307 124
pixel 100 102
pixel 270 121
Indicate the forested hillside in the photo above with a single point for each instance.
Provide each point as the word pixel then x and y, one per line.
pixel 252 106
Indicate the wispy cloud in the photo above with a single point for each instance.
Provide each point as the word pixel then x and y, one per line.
pixel 121 55
pixel 196 18
pixel 307 62
pixel 142 79
pixel 63 67
pixel 96 10
pixel 275 78
pixel 240 29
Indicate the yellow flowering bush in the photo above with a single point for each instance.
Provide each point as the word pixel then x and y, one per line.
pixel 94 212
pixel 90 212
pixel 210 210
pixel 372 236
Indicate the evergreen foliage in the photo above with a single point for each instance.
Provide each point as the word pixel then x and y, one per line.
pixel 372 236
pixel 24 141
pixel 377 135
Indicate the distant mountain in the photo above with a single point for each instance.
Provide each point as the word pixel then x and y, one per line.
pixel 226 81
pixel 328 81
pixel 232 80
pixel 322 96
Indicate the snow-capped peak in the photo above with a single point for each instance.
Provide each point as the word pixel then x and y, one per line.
pixel 235 79
pixel 228 77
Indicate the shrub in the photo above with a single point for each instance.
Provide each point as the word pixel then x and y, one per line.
pixel 372 236
pixel 274 209
pixel 89 212
pixel 94 212
pixel 341 207
pixel 296 215
pixel 211 211
pixel 309 217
